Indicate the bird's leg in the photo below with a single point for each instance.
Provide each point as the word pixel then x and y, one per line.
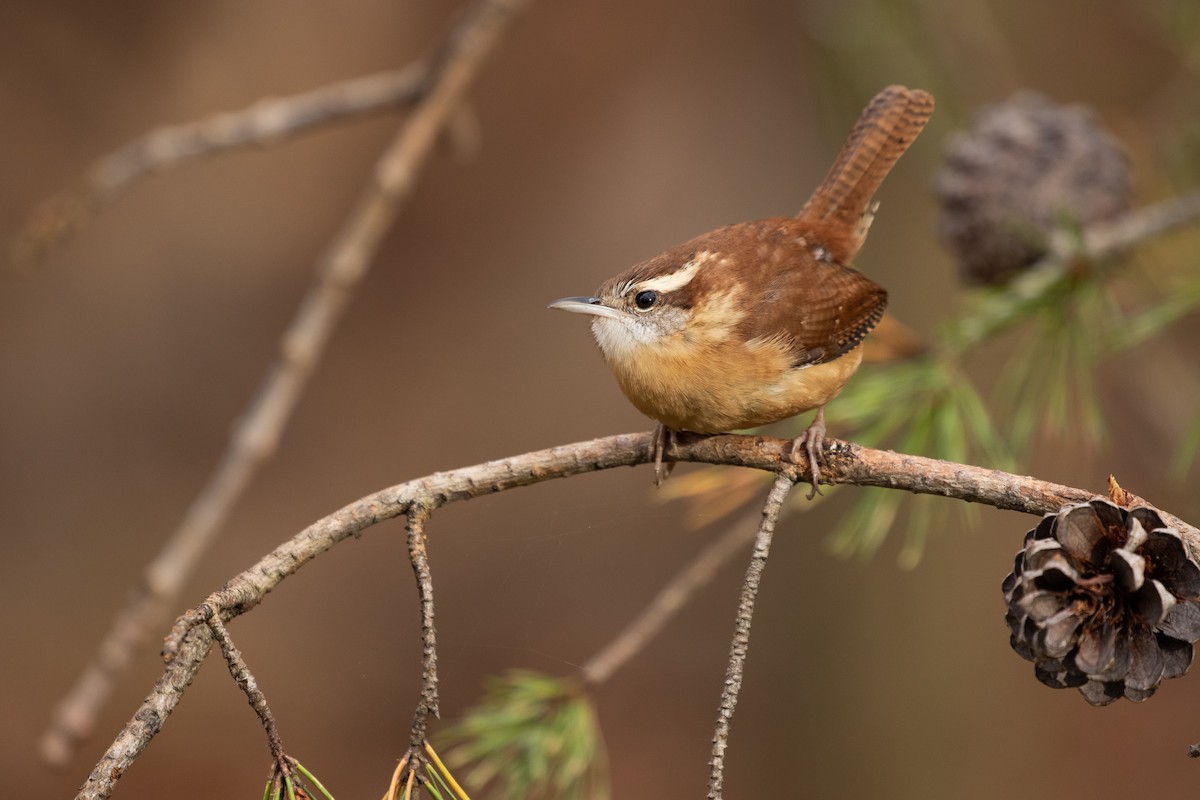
pixel 662 435
pixel 812 440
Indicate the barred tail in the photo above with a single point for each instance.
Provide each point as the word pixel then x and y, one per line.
pixel 887 126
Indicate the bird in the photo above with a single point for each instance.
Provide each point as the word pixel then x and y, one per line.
pixel 759 321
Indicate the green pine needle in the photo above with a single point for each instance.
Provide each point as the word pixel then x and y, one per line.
pixel 533 736
pixel 312 779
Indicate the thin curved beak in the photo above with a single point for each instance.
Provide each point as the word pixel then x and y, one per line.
pixel 587 305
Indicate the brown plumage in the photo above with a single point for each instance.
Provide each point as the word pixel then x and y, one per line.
pixel 756 322
pixel 885 129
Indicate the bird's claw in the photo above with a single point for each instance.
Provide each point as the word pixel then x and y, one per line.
pixel 812 441
pixel 662 470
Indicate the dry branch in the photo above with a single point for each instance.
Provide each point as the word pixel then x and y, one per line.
pixel 845 463
pixel 418 515
pixel 1144 224
pixel 666 604
pixel 257 435
pixel 739 648
pixel 265 123
pixel 242 676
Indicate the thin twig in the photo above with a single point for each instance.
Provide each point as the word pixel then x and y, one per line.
pixel 256 437
pixel 418 515
pixel 258 701
pixel 846 463
pixel 1102 241
pixel 267 122
pixel 150 716
pixel 740 645
pixel 1097 244
pixel 666 604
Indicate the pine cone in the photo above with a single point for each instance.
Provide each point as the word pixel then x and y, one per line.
pixel 1104 599
pixel 1022 169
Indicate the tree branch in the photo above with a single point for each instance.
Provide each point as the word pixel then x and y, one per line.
pixel 1139 225
pixel 256 437
pixel 189 641
pixel 418 515
pixel 242 676
pixel 150 716
pixel 845 463
pixel 739 648
pixel 666 604
pixel 266 122
pixel 1095 244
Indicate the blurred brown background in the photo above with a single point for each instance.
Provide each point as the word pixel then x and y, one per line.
pixel 610 130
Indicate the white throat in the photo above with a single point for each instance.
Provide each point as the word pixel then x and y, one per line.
pixel 623 337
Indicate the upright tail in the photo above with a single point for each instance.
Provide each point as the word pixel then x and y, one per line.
pixel 841 205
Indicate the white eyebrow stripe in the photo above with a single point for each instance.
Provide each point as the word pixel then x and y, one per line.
pixel 676 280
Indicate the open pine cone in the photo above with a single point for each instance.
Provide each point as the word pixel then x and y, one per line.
pixel 1104 599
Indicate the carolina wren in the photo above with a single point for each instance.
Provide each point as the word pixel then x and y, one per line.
pixel 756 322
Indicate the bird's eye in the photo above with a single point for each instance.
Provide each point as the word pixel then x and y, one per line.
pixel 644 300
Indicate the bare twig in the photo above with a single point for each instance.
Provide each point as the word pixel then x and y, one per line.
pixel 254 441
pixel 266 122
pixel 845 463
pixel 740 645
pixel 150 716
pixel 1102 241
pixel 1098 243
pixel 418 515
pixel 245 681
pixel 666 604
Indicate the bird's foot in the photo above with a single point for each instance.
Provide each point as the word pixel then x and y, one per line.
pixel 663 436
pixel 812 441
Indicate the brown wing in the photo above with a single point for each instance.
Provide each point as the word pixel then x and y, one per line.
pixel 821 311
pixel 885 129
